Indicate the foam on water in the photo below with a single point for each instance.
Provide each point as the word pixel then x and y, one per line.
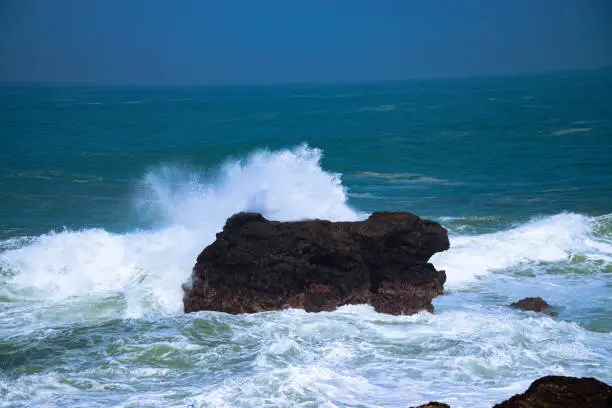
pixel 148 267
pixel 472 353
pixel 356 357
pixel 548 239
pixel 144 267
pixel 350 357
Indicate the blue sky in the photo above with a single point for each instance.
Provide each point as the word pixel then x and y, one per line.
pixel 267 41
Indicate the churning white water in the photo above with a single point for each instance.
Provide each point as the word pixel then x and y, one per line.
pixel 93 318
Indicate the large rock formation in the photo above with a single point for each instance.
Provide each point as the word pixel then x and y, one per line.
pixel 562 392
pixel 256 265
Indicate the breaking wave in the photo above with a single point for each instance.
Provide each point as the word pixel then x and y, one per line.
pixel 146 268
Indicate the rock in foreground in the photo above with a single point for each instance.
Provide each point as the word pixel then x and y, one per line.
pixel 256 265
pixel 562 392
pixel 556 392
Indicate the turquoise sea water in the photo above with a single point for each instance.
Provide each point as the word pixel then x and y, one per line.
pixel 107 195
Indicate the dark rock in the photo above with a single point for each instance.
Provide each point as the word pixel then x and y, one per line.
pixel 534 304
pixel 433 404
pixel 256 265
pixel 562 392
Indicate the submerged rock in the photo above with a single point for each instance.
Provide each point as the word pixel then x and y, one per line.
pixel 562 392
pixel 534 304
pixel 256 265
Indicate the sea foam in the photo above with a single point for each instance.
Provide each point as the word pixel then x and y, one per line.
pixel 147 268
pixel 547 239
pixel 472 352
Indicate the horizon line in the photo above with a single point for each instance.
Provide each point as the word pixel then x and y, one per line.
pixel 303 83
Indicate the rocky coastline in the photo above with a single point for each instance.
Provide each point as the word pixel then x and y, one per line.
pixel 258 265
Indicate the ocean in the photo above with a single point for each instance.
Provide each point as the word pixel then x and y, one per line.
pixel 108 194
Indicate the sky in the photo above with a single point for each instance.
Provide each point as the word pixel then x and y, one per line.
pixel 290 41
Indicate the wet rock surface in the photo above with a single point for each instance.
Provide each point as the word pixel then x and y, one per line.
pixel 562 392
pixel 258 265
pixel 556 392
pixel 534 304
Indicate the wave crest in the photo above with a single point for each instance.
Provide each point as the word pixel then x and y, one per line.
pixel 549 239
pixel 148 267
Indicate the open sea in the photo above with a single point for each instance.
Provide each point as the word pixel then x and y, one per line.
pixel 108 194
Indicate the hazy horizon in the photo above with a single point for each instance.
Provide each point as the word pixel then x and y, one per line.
pixel 323 82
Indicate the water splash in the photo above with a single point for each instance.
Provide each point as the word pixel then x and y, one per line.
pixel 549 239
pixel 148 267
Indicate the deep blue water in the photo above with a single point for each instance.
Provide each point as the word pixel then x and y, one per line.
pixel 107 194
pixel 513 147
